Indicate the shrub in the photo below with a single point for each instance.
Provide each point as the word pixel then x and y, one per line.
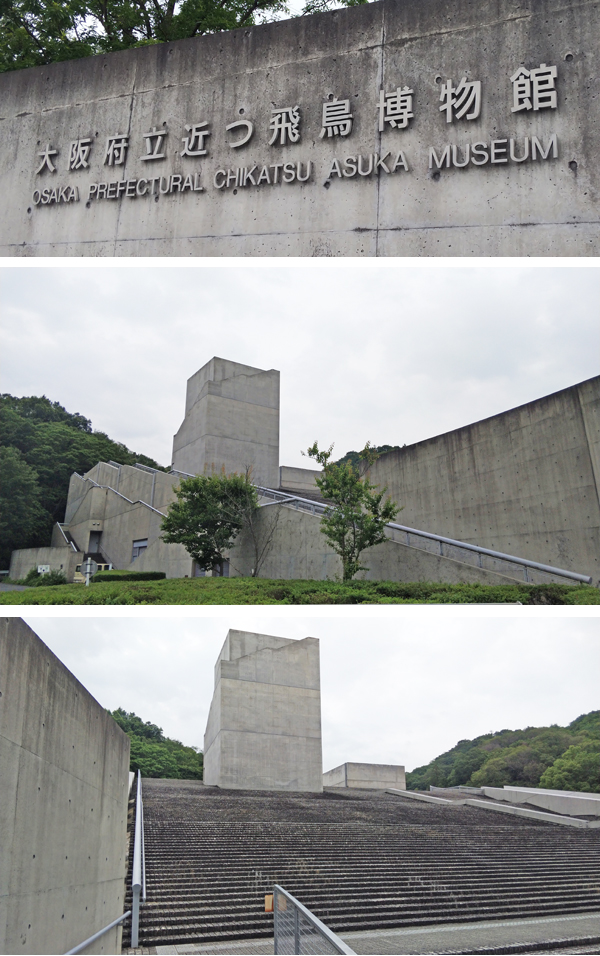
pixel 34 579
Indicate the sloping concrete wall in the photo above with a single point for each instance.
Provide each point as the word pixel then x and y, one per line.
pixel 264 725
pixel 366 776
pixel 374 189
pixel 299 550
pixel 558 801
pixel 525 482
pixel 64 785
pixel 231 422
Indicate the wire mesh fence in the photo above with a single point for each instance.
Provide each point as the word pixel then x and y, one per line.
pixel 297 930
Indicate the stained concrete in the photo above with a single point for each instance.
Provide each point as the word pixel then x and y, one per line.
pixel 264 725
pixel 64 766
pixel 376 191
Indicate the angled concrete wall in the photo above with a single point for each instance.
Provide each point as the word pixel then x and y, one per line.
pixel 366 776
pixel 424 180
pixel 64 783
pixel 264 725
pixel 231 422
pixel 524 482
pixel 571 803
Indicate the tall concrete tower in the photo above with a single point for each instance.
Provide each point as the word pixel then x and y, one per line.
pixel 231 421
pixel 264 725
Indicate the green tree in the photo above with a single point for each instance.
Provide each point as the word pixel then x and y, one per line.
pixel 43 445
pixel 36 32
pixel 21 513
pixel 357 513
pixel 577 769
pixel 156 755
pixel 209 513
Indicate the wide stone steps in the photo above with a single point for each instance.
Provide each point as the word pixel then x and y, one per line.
pixel 368 861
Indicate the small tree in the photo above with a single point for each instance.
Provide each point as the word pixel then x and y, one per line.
pixel 208 515
pixel 358 513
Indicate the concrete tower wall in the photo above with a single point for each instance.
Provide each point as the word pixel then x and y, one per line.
pixel 264 726
pixel 231 422
pixel 64 786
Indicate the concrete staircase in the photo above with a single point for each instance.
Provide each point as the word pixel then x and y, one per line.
pixel 359 860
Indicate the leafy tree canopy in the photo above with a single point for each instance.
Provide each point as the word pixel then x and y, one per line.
pixel 36 32
pixel 353 457
pixel 209 513
pixel 558 758
pixel 358 513
pixel 156 755
pixel 42 445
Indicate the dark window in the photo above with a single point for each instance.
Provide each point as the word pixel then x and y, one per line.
pixel 138 548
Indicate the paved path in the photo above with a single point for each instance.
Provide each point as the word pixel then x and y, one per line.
pixel 446 938
pixel 13 587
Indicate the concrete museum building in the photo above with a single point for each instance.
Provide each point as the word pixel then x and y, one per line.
pixel 389 129
pixel 512 497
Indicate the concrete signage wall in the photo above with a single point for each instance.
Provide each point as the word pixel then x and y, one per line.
pixel 394 128
pixel 64 779
pixel 264 724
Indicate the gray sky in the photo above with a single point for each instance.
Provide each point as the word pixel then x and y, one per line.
pixel 391 354
pixel 396 688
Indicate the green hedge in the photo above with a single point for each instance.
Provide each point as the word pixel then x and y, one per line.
pixel 129 576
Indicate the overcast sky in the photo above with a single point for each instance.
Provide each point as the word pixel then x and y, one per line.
pixel 395 688
pixel 387 354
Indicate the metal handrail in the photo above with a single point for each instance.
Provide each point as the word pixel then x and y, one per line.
pixel 101 932
pixel 138 878
pixel 65 537
pixel 138 501
pixel 317 507
pixel 335 942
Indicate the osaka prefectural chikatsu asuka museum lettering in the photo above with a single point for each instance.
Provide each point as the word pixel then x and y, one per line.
pixel 394 128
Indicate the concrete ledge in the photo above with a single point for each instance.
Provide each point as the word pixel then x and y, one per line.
pixel 423 797
pixel 568 802
pixel 534 814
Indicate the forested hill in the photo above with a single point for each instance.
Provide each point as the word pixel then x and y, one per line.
pixel 156 755
pixel 41 445
pixel 559 758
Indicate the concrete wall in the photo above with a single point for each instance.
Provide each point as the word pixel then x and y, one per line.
pixel 366 776
pixel 231 422
pixel 376 191
pixel 63 804
pixel 559 801
pixel 298 479
pixel 299 550
pixel 524 482
pixel 59 559
pixel 264 725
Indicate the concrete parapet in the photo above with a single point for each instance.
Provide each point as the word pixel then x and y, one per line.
pixel 63 804
pixel 366 776
pixel 264 726
pixel 570 803
pixel 534 814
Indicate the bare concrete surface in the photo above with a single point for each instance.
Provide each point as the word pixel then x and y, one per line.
pixel 447 938
pixel 12 587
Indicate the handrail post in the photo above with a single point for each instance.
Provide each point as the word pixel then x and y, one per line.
pixel 137 878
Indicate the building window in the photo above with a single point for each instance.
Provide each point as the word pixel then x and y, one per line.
pixel 138 548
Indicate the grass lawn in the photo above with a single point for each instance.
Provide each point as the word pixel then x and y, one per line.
pixel 264 591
